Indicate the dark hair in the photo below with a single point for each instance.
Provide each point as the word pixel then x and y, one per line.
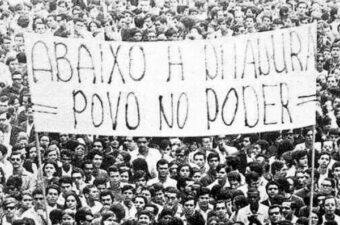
pixel 79 205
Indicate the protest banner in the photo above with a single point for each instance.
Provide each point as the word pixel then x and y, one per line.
pixel 250 83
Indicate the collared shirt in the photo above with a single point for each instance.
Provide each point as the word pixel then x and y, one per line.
pixel 245 212
pixel 29 181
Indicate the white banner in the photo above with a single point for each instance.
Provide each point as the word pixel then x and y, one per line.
pixel 250 83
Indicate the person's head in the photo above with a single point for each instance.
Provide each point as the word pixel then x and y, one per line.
pixel 65 184
pixel 66 157
pixel 98 144
pixel 221 208
pixel 336 170
pixel 213 160
pixel 184 170
pixel 327 185
pixel 324 160
pixel 44 141
pixel 100 183
pixel 91 192
pixel 106 197
pixel 330 205
pixel 78 176
pixel 189 204
pixel 140 202
pixel 143 145
pixel 52 194
pixel 275 213
pixel 38 198
pixel 300 158
pixel 16 160
pixel 234 179
pixel 335 50
pixel 272 188
pixel 253 179
pixel 68 217
pixel 84 216
pixel 253 196
pixel 128 192
pixel 145 218
pixel 203 197
pixel 26 200
pixel 221 170
pixel 172 197
pixel 10 206
pixel 50 169
pixel 88 168
pixel 162 168
pixel 200 159
pixel 72 201
pixel 97 158
pixel 279 169
pixel 114 175
pixel 288 208
pixel 146 192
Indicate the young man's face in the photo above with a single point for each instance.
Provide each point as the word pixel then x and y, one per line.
pixel 335 52
pixel 128 195
pixel 52 196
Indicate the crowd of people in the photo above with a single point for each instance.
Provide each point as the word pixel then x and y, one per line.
pixel 261 179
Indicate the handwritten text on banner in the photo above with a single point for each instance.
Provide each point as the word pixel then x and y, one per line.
pixel 249 83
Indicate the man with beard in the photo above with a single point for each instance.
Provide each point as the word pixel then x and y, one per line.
pixel 254 211
pixel 151 155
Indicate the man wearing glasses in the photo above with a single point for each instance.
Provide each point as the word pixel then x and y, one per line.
pixel 28 179
pixel 10 205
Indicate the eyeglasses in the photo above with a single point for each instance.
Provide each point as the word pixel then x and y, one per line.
pixel 10 208
pixel 274 213
pixel 16 159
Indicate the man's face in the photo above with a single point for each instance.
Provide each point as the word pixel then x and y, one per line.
pixel 199 160
pixel 324 161
pixel 142 144
pixel 66 188
pixel 275 215
pixel 326 186
pixel 98 146
pixel 38 201
pixel 213 162
pixel 253 198
pixel 171 200
pixel 203 200
pixel 189 207
pixel 106 200
pixel 197 176
pixel 128 195
pixel 301 9
pixel 159 197
pixel 16 161
pixel 249 23
pixel 52 196
pixel 221 209
pixel 335 52
pixel 337 172
pixel 40 28
pixel 139 203
pixel 287 209
pixel 115 177
pixel 10 210
pixel 234 184
pixel 94 193
pixel 327 146
pixel 303 161
pixel 144 220
pixel 272 190
pixel 330 206
pixel 163 170
pixel 246 142
pixel 129 144
pixel 97 161
pixel 206 143
pixel 27 202
pixel 88 169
